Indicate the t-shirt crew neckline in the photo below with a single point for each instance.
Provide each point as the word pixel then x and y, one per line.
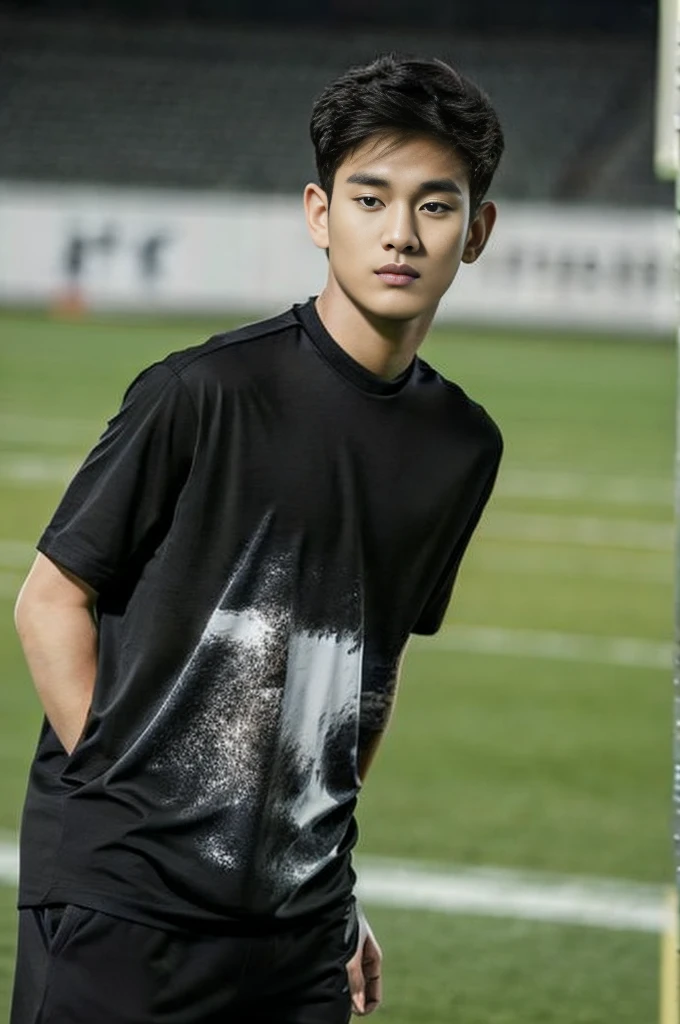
pixel 342 361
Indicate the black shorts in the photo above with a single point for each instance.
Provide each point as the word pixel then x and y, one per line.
pixel 80 966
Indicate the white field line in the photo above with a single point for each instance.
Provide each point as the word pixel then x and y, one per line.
pixel 630 652
pixel 492 892
pixel 10 584
pixel 47 431
pixel 16 554
pixel 26 470
pixel 590 563
pixel 488 892
pixel 612 490
pixel 9 863
pixel 579 530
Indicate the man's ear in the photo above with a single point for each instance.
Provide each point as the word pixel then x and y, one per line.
pixel 316 211
pixel 479 231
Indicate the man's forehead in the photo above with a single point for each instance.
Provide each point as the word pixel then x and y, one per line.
pixel 412 158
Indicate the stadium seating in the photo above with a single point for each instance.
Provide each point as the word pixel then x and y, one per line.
pixel 228 109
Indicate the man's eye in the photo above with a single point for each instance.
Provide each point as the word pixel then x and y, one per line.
pixel 435 207
pixel 369 202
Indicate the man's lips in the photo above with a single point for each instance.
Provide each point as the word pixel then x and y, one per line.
pixel 398 268
pixel 397 273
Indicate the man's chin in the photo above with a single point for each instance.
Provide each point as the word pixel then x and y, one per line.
pixel 396 305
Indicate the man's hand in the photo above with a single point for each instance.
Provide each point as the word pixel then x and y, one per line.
pixel 55 620
pixel 364 971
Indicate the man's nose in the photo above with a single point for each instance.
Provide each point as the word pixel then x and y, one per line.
pixel 399 232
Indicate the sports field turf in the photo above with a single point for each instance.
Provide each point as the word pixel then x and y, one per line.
pixel 529 734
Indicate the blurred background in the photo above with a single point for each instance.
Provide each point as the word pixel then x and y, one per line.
pixel 515 847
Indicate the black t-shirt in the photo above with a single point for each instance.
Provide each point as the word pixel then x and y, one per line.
pixel 265 522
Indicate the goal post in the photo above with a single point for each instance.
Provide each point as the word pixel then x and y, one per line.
pixel 667 166
pixel 667 106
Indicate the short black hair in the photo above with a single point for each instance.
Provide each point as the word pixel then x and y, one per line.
pixel 407 96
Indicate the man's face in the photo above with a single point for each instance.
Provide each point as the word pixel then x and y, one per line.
pixel 402 203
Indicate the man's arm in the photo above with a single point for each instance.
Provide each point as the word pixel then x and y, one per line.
pixel 364 970
pixel 116 511
pixel 365 967
pixel 55 622
pixel 373 739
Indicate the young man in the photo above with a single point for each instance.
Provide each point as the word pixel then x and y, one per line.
pixel 216 617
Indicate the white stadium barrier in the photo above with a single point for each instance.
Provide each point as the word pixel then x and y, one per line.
pixel 168 251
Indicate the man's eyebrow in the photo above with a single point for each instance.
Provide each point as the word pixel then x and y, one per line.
pixel 367 179
pixel 441 185
pixel 434 185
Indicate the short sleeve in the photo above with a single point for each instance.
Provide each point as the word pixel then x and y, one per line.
pixel 121 501
pixel 432 615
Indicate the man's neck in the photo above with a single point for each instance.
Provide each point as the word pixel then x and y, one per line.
pixel 385 347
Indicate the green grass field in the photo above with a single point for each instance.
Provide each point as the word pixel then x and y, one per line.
pixel 550 752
